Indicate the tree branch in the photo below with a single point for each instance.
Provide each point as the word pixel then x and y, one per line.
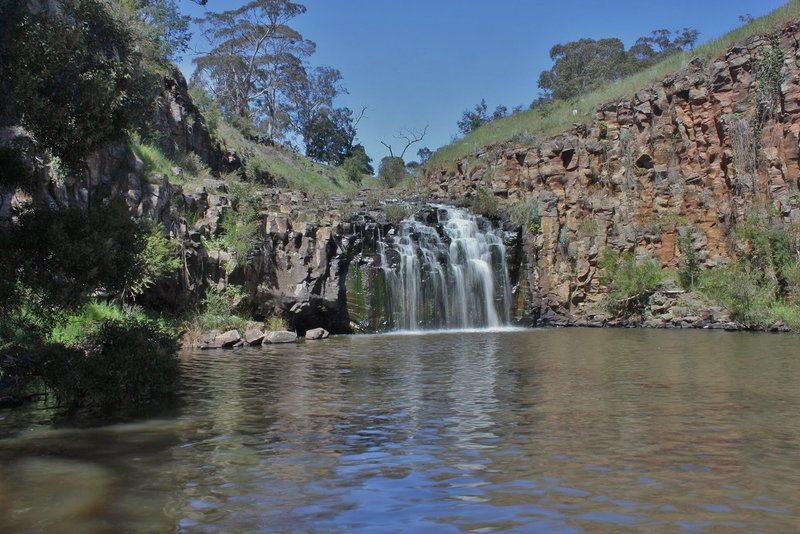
pixel 411 137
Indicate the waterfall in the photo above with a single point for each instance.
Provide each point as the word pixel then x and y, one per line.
pixel 446 273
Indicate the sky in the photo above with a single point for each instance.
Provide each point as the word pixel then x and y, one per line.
pixel 418 63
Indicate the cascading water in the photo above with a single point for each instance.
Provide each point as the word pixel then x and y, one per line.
pixel 445 275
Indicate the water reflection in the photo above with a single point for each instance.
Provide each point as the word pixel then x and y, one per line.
pixel 535 431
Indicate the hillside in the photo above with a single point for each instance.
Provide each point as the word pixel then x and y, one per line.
pixel 522 128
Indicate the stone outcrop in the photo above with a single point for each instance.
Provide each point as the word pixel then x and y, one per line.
pixel 183 128
pixel 672 160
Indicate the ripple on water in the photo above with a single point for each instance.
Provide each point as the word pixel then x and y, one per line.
pixel 523 431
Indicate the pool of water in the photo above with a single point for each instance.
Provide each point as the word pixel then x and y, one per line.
pixel 525 431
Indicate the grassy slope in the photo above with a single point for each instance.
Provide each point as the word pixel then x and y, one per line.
pixel 290 170
pixel 525 126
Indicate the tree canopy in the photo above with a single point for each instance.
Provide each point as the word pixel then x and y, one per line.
pixel 477 117
pixel 74 80
pixel 583 65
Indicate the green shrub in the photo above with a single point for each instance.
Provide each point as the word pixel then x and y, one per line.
pixel 193 166
pixel 485 203
pixel 240 226
pixel 256 169
pixel 392 171
pixel 76 80
pixel 53 261
pixel 526 214
pixel 86 321
pixel 629 283
pixel 219 307
pixel 123 362
pixel 153 158
pixel 689 268
pixel 208 107
pixel 763 283
pixel 788 314
pixel 275 323
pixel 77 326
pixel 395 213
pixel 741 292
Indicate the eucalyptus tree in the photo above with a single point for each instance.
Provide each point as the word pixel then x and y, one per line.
pixel 311 96
pixel 254 57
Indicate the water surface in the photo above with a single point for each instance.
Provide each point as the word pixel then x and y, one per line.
pixel 533 431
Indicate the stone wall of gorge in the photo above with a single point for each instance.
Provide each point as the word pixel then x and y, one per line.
pixel 680 157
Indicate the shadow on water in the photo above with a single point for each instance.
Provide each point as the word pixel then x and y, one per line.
pixel 530 431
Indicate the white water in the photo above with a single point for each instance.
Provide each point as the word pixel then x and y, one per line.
pixel 451 275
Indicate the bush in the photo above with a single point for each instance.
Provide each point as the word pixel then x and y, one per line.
pixel 152 156
pixel 485 203
pixel 742 293
pixel 762 285
pixel 53 261
pixel 240 226
pixel 123 362
pixel 219 310
pixel 392 171
pixel 76 80
pixel 629 283
pixel 275 323
pixel 689 267
pixel 526 214
pixel 395 213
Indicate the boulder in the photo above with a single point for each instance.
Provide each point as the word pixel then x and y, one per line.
pixel 279 337
pixel 253 336
pixel 317 333
pixel 227 339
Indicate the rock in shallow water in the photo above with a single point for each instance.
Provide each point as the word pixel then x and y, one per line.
pixel 228 339
pixel 253 336
pixel 279 337
pixel 317 333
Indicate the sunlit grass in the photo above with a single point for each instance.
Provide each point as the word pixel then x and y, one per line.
pixel 288 169
pixel 526 126
pixel 153 158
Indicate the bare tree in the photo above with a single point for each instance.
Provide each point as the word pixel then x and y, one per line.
pixel 410 137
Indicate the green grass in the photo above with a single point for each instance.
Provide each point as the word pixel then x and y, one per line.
pixel 289 170
pixel 528 125
pixel 153 158
pixel 789 314
pixel 88 319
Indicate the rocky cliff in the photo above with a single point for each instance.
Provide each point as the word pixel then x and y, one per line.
pixel 690 156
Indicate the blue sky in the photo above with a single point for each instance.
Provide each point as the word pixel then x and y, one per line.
pixel 423 62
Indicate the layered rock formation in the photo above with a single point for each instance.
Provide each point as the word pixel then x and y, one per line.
pixel 681 157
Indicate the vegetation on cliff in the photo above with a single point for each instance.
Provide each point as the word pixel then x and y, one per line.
pixel 55 265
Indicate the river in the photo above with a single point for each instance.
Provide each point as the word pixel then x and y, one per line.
pixel 559 430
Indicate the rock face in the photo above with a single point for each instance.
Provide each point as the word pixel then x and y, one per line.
pixel 183 128
pixel 671 166
pixel 677 159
